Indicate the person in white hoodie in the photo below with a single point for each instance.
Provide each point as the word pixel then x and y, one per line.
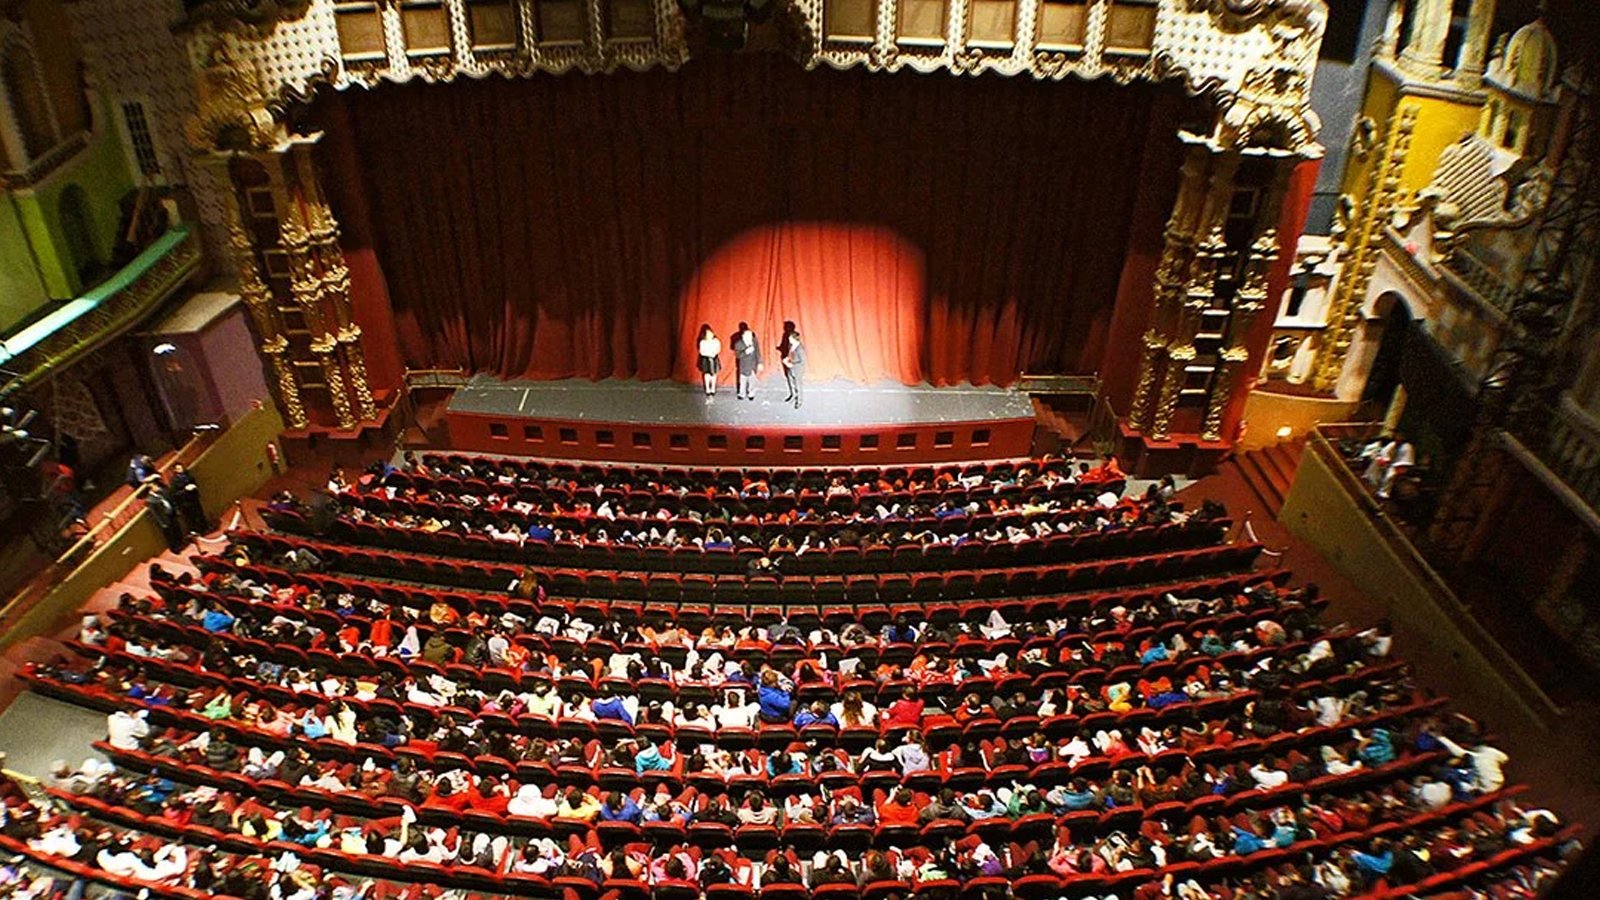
pixel 1488 763
pixel 126 729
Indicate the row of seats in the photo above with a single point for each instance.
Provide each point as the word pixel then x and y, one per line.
pixel 697 616
pixel 366 665
pixel 1053 550
pixel 447 568
pixel 465 467
pixel 1073 537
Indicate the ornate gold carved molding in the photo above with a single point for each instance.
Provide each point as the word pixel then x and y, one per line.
pixel 263 310
pixel 1139 413
pixel 325 348
pixel 1231 361
pixel 232 112
pixel 1171 383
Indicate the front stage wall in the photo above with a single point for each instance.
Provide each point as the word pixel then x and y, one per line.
pixel 919 228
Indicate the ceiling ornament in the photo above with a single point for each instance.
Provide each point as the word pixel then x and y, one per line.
pixel 232 114
pixel 257 18
pixel 1245 13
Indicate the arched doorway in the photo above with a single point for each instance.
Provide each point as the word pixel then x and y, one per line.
pixel 77 226
pixel 1384 376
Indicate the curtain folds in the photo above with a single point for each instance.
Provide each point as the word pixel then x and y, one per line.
pixel 916 228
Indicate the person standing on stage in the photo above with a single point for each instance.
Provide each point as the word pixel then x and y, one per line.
pixel 747 361
pixel 710 349
pixel 794 363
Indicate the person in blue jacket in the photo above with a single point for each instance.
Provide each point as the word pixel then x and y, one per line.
pixel 609 706
pixel 620 807
pixel 775 701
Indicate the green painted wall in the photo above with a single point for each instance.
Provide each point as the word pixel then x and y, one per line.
pixel 102 171
pixel 21 291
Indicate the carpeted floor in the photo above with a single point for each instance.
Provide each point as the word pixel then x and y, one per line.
pixel 35 731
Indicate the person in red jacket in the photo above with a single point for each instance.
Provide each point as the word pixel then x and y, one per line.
pixel 900 809
pixel 488 796
pixel 905 712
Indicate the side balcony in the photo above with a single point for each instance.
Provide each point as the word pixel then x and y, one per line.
pixel 79 327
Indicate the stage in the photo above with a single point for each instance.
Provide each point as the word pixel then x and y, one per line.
pixel 841 422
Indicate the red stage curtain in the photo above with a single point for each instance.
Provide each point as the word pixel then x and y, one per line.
pixel 915 227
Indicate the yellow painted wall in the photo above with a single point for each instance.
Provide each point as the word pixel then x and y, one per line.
pixel 21 289
pixel 1440 123
pixel 1267 412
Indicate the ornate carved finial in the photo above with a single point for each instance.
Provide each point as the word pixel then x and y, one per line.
pixel 253 18
pixel 232 114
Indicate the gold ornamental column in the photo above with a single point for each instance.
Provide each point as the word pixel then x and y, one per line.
pixel 305 283
pixel 335 275
pixel 260 305
pixel 1249 300
pixel 1199 288
pixel 1176 252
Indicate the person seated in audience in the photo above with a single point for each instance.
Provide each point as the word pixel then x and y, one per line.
pixel 774 697
pixel 818 713
pixel 619 807
pixel 577 805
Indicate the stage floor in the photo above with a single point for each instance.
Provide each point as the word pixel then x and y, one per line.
pixel 831 404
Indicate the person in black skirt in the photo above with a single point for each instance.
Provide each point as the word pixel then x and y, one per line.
pixel 710 348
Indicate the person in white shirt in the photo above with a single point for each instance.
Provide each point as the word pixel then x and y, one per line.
pixel 709 347
pixel 1267 776
pixel 58 841
pixel 735 716
pixel 1488 774
pixel 125 729
pixel 1431 793
pixel 529 801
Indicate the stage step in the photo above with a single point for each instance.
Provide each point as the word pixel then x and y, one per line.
pixel 1270 472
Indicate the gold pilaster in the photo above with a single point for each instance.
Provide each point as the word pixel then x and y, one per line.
pixel 328 257
pixel 355 361
pixel 1177 249
pixel 288 385
pixel 1361 257
pixel 1138 415
pixel 326 347
pixel 1232 360
pixel 1178 359
pixel 263 311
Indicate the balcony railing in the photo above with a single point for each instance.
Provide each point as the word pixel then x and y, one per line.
pixel 1573 451
pixel 111 308
pixel 39 169
pixel 1481 279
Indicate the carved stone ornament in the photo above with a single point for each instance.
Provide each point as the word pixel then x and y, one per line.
pixel 232 113
pixel 1363 138
pixel 256 18
pixel 1243 13
pixel 1272 111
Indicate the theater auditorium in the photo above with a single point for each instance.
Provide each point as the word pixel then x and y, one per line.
pixel 799 449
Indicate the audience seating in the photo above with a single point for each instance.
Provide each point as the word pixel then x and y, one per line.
pixel 977 608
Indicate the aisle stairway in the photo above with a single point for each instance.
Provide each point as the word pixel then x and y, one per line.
pixel 1270 471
